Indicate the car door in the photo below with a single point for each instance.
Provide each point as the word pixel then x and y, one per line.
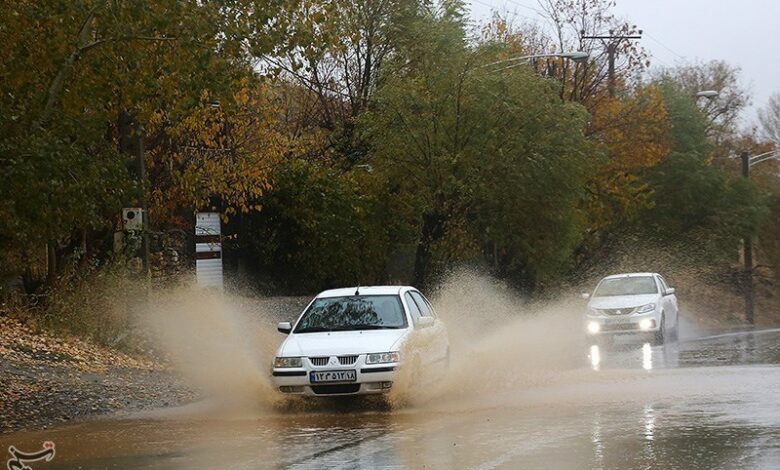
pixel 436 334
pixel 669 302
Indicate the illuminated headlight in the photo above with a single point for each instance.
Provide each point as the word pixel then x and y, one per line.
pixel 594 327
pixel 283 362
pixel 646 324
pixel 383 358
pixel 645 308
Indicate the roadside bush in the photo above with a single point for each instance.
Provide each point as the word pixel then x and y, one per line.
pixel 97 302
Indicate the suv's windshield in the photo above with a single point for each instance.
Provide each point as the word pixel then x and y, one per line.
pixel 626 286
pixel 368 312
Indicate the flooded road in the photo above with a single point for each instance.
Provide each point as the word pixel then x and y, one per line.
pixel 705 402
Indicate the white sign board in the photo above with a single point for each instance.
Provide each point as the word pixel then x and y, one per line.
pixel 208 249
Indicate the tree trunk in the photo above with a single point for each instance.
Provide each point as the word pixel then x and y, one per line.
pixel 432 231
pixel 58 83
pixel 51 262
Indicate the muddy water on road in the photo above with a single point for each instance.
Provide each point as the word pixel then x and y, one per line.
pixel 524 390
pixel 702 417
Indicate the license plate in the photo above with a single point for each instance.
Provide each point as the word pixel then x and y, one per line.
pixel 333 376
pixel 616 321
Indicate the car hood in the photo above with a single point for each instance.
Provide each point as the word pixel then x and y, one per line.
pixel 342 342
pixel 622 301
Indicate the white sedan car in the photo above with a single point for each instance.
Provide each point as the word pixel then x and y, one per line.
pixel 634 303
pixel 349 341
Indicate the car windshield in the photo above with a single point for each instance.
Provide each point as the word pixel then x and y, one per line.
pixel 626 286
pixel 368 312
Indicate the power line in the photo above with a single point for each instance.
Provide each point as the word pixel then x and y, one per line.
pixel 535 10
pixel 495 7
pixel 612 41
pixel 543 14
pixel 652 38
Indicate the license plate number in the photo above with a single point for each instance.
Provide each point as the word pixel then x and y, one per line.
pixel 616 321
pixel 333 376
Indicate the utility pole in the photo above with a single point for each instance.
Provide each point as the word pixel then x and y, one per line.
pixel 747 247
pixel 612 41
pixel 131 143
pixel 144 204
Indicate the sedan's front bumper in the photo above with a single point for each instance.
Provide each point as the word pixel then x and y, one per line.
pixel 370 379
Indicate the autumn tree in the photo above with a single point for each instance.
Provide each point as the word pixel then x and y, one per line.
pixel 769 120
pixel 81 79
pixel 338 70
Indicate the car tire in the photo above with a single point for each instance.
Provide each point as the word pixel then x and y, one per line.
pixel 660 335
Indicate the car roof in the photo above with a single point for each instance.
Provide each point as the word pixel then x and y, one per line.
pixel 365 290
pixel 613 276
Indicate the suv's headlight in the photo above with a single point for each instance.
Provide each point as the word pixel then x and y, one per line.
pixel 645 308
pixel 383 358
pixel 281 362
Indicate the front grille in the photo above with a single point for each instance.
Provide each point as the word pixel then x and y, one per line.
pixel 347 360
pixel 618 311
pixel 319 361
pixel 335 389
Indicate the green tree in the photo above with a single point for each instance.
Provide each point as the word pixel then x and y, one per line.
pixel 695 204
pixel 319 228
pixel 489 165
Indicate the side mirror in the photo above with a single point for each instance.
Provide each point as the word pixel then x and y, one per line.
pixel 670 291
pixel 424 322
pixel 284 327
pixel 585 295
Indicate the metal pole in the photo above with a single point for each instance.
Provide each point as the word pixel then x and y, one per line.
pixel 612 41
pixel 611 49
pixel 144 205
pixel 747 254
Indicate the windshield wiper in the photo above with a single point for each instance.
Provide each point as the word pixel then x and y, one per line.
pixel 319 329
pixel 369 327
pixel 314 329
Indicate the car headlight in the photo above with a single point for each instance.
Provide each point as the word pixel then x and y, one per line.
pixel 594 327
pixel 646 324
pixel 383 358
pixel 282 362
pixel 646 308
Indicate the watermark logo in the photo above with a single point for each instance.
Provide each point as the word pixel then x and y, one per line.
pixel 20 459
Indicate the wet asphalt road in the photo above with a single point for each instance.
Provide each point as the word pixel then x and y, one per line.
pixel 706 402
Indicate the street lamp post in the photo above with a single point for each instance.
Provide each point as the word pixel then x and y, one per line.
pixel 747 242
pixel 576 56
pixel 709 94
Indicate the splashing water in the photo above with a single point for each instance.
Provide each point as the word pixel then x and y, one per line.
pixel 498 342
pixel 217 348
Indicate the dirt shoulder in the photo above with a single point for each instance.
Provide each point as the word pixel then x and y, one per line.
pixel 48 380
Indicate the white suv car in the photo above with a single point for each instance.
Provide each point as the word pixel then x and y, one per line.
pixel 634 303
pixel 348 341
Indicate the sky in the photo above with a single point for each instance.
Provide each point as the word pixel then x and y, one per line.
pixel 745 33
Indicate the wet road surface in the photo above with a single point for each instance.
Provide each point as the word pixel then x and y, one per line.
pixel 707 402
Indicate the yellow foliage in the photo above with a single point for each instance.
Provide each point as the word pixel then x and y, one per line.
pixel 634 130
pixel 634 133
pixel 217 151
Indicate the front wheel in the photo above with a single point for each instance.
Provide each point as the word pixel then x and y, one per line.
pixel 675 334
pixel 660 335
pixel 605 341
